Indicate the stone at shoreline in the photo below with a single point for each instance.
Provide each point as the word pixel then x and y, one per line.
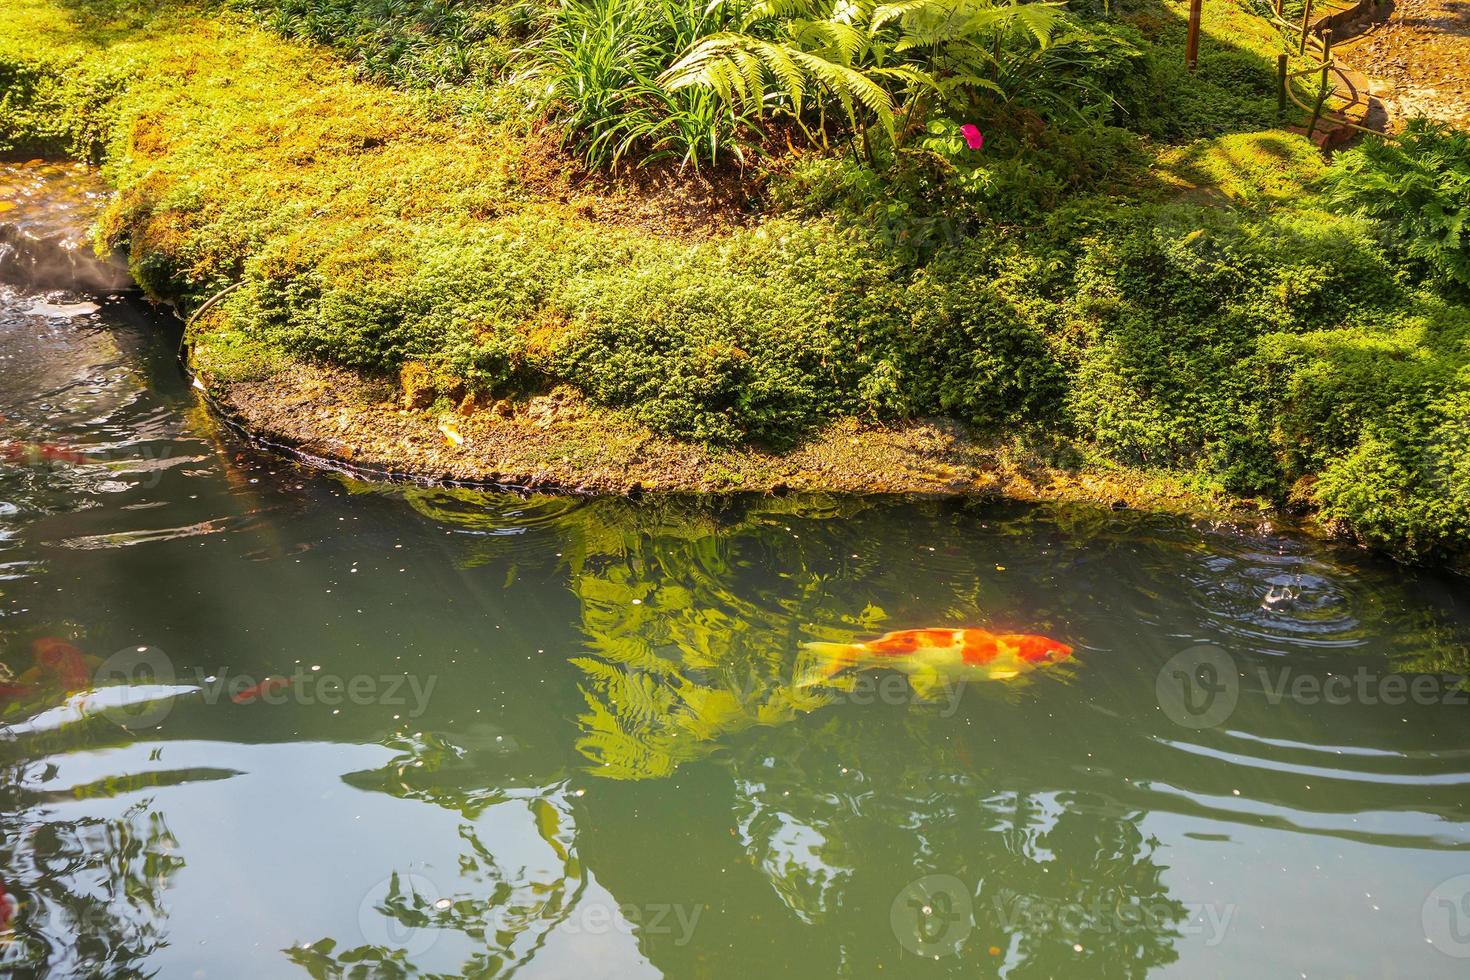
pixel 417 386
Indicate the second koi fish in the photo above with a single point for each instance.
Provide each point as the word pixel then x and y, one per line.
pixel 263 690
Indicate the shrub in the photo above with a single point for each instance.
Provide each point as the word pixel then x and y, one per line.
pixel 1406 485
pixel 1418 185
pixel 57 106
pixel 414 43
pixel 968 354
pixel 1203 340
pixel 758 338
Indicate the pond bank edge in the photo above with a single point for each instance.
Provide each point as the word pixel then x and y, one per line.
pixel 337 419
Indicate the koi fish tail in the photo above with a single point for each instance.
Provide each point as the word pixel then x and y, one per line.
pixel 827 659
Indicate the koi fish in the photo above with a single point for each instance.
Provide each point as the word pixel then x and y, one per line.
pixel 268 686
pixel 973 136
pixel 929 656
pixel 7 908
pixel 36 453
pixel 62 663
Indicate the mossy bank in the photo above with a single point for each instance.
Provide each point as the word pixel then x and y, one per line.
pixel 1159 300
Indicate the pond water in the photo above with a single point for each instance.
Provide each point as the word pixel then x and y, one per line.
pixel 558 737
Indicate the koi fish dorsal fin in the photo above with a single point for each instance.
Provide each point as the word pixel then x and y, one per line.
pixel 901 643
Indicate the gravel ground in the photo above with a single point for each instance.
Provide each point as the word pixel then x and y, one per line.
pixel 1423 53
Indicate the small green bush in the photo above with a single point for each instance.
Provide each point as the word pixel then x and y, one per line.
pixel 1418 185
pixel 57 107
pixel 1406 485
pixel 761 337
pixel 415 43
pixel 967 353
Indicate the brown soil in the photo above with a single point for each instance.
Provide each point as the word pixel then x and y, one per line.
pixel 662 198
pixel 1420 57
pixel 336 418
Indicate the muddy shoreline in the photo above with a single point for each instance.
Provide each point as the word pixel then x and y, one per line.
pixel 335 419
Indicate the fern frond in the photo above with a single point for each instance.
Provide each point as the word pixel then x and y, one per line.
pixel 849 86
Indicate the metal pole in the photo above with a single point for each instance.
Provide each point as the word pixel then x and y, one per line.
pixel 1191 45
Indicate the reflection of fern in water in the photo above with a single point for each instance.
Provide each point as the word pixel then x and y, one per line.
pixel 681 661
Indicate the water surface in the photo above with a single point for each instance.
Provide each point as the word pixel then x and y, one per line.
pixel 554 737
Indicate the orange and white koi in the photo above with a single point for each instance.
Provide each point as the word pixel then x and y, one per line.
pixel 932 656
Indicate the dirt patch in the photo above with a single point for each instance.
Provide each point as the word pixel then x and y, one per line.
pixel 558 443
pixel 660 198
pixel 1420 56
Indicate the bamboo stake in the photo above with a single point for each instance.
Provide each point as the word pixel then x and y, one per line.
pixel 1323 88
pixel 1281 86
pixel 1191 45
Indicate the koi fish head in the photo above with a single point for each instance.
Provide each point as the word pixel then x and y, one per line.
pixel 63 661
pixel 1036 649
pixel 53 653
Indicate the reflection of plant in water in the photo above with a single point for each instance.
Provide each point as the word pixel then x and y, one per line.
pixel 432 768
pixel 1433 646
pixel 505 907
pixel 89 891
pixel 1050 867
pixel 692 639
pixel 681 660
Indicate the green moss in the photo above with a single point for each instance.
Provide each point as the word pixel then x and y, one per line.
pixel 227 356
pixel 1255 166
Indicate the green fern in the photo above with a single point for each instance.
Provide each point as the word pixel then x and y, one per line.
pixel 1419 187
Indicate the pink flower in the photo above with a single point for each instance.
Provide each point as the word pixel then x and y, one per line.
pixel 973 136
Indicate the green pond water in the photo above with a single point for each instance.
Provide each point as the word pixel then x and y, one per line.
pixel 552 737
